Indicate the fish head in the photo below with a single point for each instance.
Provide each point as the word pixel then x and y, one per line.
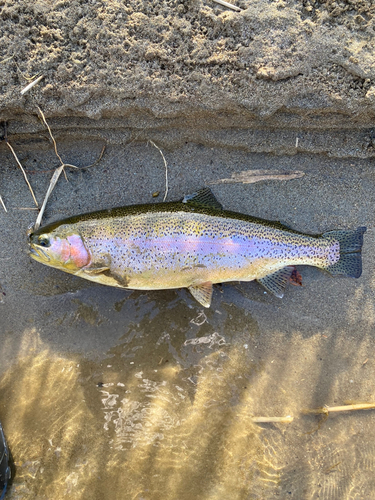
pixel 59 247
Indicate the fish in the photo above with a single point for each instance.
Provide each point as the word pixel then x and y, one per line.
pixel 193 243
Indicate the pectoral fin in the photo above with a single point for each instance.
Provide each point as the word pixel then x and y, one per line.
pixel 275 283
pixel 202 293
pixel 101 266
pixel 92 271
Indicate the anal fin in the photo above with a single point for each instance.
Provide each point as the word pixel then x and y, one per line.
pixel 275 283
pixel 202 293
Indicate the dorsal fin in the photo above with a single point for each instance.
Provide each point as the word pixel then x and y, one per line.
pixel 203 198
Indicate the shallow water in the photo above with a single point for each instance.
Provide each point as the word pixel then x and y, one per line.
pixel 110 394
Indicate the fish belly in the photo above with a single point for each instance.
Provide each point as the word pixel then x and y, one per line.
pixel 159 250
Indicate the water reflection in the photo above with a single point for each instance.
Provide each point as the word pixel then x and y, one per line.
pixel 170 404
pixel 166 411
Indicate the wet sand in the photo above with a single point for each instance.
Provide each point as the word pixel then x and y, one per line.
pixel 111 394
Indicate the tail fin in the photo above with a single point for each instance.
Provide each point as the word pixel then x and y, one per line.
pixel 350 262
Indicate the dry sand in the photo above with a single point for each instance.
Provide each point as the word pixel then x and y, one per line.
pixel 188 65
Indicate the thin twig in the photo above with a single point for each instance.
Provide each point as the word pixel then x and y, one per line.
pixel 335 409
pixel 4 207
pixel 31 85
pixel 24 173
pixel 88 166
pixel 264 420
pixel 166 169
pixel 325 410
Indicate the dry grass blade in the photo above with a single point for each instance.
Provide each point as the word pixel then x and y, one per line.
pixel 265 420
pixel 335 409
pixel 50 133
pixel 51 186
pixel 58 171
pixel 88 166
pixel 28 78
pixel 31 85
pixel 26 208
pixel 24 173
pixel 330 469
pixel 166 169
pixel 6 59
pixel 251 176
pixel 229 5
pixel 55 176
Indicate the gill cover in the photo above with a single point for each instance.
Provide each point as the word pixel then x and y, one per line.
pixel 55 250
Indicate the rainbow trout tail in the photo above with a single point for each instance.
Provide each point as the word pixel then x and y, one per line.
pixel 350 262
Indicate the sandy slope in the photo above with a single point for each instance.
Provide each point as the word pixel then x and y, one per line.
pixel 311 60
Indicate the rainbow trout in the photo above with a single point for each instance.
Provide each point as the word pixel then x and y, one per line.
pixel 192 244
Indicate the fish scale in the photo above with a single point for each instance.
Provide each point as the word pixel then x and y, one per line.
pixel 192 244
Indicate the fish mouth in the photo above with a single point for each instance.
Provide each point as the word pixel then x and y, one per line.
pixel 38 254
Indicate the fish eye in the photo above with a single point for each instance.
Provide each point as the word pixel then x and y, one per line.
pixel 44 241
